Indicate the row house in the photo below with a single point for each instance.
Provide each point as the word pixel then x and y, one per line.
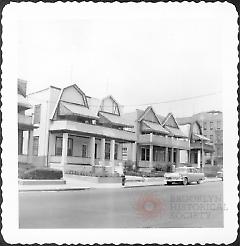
pixel 77 132
pixel 25 126
pixel 200 146
pixel 159 141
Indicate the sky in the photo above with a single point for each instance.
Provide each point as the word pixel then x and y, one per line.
pixel 148 60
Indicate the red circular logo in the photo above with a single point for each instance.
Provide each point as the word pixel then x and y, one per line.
pixel 149 206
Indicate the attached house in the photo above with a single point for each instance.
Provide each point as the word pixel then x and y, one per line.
pixel 77 132
pixel 159 140
pixel 200 145
pixel 25 125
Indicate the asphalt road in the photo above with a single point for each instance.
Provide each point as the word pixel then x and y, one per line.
pixel 144 207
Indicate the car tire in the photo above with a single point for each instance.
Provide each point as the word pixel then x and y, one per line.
pixel 185 181
pixel 169 183
pixel 199 181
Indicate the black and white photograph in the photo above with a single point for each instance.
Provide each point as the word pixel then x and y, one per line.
pixel 120 119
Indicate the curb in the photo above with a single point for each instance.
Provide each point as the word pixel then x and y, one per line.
pixel 59 189
pixel 133 186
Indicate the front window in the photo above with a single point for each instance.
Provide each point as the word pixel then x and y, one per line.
pixel 145 154
pixel 84 150
pixel 116 152
pixel 107 151
pixel 211 125
pixel 37 114
pixel 70 147
pixel 58 146
pixel 35 145
pixel 205 125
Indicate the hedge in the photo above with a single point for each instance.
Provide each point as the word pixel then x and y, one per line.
pixel 42 173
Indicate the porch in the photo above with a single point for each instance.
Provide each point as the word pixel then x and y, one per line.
pixel 157 157
pixel 82 151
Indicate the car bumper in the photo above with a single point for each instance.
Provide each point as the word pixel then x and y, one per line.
pixel 173 180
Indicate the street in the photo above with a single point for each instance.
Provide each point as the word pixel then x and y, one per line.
pixel 142 207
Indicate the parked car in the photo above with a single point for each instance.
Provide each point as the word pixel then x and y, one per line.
pixel 184 175
pixel 220 174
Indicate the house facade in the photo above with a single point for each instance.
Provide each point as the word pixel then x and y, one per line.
pixel 159 141
pixel 77 132
pixel 200 146
pixel 25 125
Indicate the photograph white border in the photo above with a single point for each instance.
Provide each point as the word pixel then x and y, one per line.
pixel 11 232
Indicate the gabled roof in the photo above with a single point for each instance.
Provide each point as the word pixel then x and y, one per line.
pixel 60 96
pixel 115 119
pixel 176 132
pixel 170 115
pixel 112 98
pixel 149 108
pixel 151 126
pixel 67 108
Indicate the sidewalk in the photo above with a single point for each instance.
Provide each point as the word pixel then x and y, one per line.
pixel 72 183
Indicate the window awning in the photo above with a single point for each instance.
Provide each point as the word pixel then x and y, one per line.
pixel 22 101
pixel 155 127
pixel 67 108
pixel 176 132
pixel 116 120
pixel 201 137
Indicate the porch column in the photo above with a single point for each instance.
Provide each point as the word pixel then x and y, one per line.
pixel 30 145
pixel 203 158
pixel 198 158
pixel 134 155
pixel 64 151
pixel 166 154
pixel 102 150
pixel 212 159
pixel 112 151
pixel 151 156
pixel 92 150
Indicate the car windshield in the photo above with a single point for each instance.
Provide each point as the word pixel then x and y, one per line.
pixel 181 170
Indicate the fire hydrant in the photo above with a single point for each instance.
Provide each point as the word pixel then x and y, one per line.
pixel 123 179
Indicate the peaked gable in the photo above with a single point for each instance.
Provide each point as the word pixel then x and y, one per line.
pixel 149 115
pixel 109 105
pixel 170 121
pixel 73 94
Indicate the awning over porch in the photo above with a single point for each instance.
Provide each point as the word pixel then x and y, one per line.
pixel 115 120
pixel 66 108
pixel 200 137
pixel 154 127
pixel 176 132
pixel 91 130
